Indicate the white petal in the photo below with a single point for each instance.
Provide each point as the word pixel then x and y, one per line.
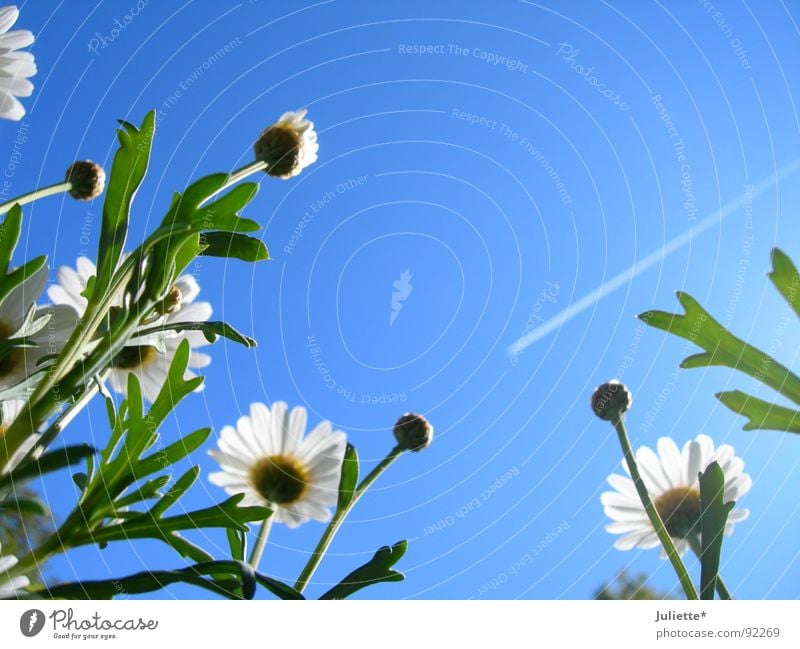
pixel 650 468
pixel 10 107
pixel 16 304
pixel 16 39
pixel 671 463
pixel 8 16
pixel 623 485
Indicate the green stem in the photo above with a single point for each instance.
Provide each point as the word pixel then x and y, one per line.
pixel 237 176
pixel 721 588
pixel 338 518
pixel 652 512
pixel 261 542
pixel 50 190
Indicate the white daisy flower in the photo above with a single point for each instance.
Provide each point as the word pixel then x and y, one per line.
pixel 671 478
pixel 15 66
pixel 288 146
pixel 10 586
pixel 49 328
pixel 149 358
pixel 267 458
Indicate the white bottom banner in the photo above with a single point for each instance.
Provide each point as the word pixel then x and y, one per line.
pixel 388 624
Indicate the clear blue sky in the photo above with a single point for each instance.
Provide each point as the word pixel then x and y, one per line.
pixel 552 188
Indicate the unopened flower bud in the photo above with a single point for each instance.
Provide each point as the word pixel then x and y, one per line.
pixel 413 432
pixel 171 303
pixel 88 180
pixel 288 146
pixel 611 400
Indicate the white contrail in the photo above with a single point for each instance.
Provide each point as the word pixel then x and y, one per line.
pixel 650 260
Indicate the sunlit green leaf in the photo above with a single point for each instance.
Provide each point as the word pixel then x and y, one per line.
pixel 10 230
pixel 377 570
pixel 127 172
pixel 722 348
pixel 761 414
pixel 234 246
pixel 210 329
pixel 786 279
pixel 713 517
pixel 349 477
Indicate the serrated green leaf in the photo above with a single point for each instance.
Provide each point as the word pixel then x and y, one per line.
pixel 127 172
pixel 169 455
pixel 722 348
pixel 786 279
pixel 149 581
pixel 713 517
pixel 175 388
pixel 145 491
pixel 176 491
pixel 231 245
pixel 377 570
pixel 762 415
pixel 210 329
pixel 227 514
pixel 223 214
pixel 349 477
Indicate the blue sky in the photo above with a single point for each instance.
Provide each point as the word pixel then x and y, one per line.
pixel 513 157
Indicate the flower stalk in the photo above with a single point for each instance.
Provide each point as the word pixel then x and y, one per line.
pixel 50 190
pixel 339 517
pixel 652 513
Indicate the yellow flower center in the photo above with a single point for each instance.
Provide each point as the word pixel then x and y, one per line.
pixel 15 357
pixel 679 508
pixel 135 356
pixel 279 479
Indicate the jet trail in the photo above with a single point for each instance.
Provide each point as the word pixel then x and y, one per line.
pixel 621 279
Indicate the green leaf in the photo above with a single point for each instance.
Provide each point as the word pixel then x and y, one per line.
pixel 349 477
pixel 177 490
pixel 377 570
pixel 211 330
pixel 49 462
pixel 175 388
pixel 786 279
pixel 761 414
pixel 233 245
pixel 238 544
pixel 171 454
pixel 222 214
pixel 23 506
pixel 278 588
pixel 127 172
pixel 713 517
pixel 145 582
pixel 227 514
pixel 81 480
pixel 18 275
pixel 10 230
pixel 722 348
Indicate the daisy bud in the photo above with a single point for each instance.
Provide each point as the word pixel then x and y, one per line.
pixel 611 399
pixel 413 432
pixel 288 146
pixel 171 303
pixel 88 180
